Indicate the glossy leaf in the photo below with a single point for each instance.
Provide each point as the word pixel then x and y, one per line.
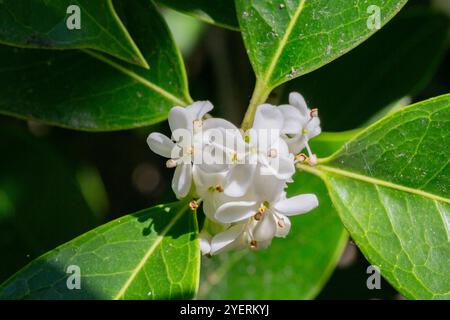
pixel 296 267
pixel 390 186
pixel 41 205
pixel 397 61
pixel 289 38
pixel 153 254
pixel 43 24
pixel 91 91
pixel 218 12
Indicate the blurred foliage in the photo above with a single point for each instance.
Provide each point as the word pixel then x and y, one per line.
pixel 41 205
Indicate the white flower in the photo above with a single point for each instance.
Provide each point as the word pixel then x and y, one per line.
pixel 238 165
pixel 264 137
pixel 236 237
pixel 210 188
pixel 300 123
pixel 240 178
pixel 269 221
pixel 268 194
pixel 273 217
pixel 184 123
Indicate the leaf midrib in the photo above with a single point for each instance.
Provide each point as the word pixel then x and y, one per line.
pixel 137 77
pixel 149 253
pixel 122 28
pixel 282 43
pixel 322 170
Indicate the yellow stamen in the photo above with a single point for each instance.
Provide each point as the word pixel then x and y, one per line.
pixel 301 157
pixel 193 205
pixel 197 123
pixel 190 150
pixel 171 163
pixel 273 153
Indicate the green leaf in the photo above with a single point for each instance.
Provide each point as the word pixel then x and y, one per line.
pixel 397 61
pixel 218 12
pixel 41 205
pixel 91 91
pixel 153 254
pixel 296 267
pixel 42 24
pixel 390 186
pixel 289 38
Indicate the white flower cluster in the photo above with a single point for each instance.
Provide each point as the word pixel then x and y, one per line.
pixel 240 176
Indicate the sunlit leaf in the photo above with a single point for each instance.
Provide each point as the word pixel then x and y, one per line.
pixel 43 24
pixel 91 91
pixel 397 61
pixel 153 254
pixel 286 39
pixel 390 186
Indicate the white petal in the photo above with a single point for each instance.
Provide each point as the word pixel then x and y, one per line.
pixel 227 239
pixel 296 144
pixel 293 119
pixel 268 117
pixel 198 109
pixel 218 123
pixel 313 128
pixel 239 179
pixel 284 166
pixel 264 140
pixel 179 119
pixel 281 167
pixel 205 242
pixel 281 146
pixel 263 244
pixel 315 132
pixel 212 164
pixel 160 144
pixel 266 228
pixel 209 152
pixel 297 100
pixel 205 178
pixel 314 122
pixel 268 187
pixel 297 205
pixel 236 211
pixel 182 180
pixel 209 208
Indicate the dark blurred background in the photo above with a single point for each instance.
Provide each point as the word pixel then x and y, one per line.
pixel 115 173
